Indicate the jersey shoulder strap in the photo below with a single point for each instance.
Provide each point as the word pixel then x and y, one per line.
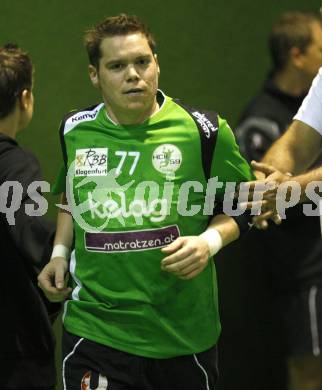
pixel 62 129
pixel 207 124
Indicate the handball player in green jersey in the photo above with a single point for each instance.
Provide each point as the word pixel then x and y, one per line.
pixel 141 308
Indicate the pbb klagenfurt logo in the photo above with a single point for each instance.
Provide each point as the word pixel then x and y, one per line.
pixel 91 162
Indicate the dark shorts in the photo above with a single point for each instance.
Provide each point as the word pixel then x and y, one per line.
pixel 301 319
pixel 89 365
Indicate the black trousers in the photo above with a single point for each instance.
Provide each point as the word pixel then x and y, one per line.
pixel 88 365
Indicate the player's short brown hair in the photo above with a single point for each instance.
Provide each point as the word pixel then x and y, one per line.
pixel 16 75
pixel 121 24
pixel 293 29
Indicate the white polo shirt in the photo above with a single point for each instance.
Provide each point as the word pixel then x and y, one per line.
pixel 310 111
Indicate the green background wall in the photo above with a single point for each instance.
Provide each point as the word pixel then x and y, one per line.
pixel 212 54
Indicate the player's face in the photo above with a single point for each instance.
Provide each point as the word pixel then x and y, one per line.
pixel 312 57
pixel 127 76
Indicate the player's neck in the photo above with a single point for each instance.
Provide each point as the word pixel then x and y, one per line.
pixel 131 117
pixel 292 82
pixel 9 125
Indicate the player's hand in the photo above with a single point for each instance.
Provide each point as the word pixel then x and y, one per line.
pixel 53 280
pixel 270 213
pixel 272 175
pixel 274 178
pixel 262 193
pixel 187 256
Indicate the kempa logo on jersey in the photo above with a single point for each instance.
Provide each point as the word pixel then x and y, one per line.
pixel 91 162
pixel 205 123
pixel 84 116
pixel 167 158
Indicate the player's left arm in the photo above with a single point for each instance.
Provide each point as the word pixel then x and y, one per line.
pixel 187 256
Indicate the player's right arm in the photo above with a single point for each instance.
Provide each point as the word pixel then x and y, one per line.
pixel 296 150
pixel 54 276
pixel 300 146
pixel 293 153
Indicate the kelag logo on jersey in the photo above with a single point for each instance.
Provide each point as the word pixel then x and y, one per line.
pixel 167 158
pixel 91 162
pixel 94 208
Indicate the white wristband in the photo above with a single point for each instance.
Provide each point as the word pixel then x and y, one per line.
pixel 213 239
pixel 60 250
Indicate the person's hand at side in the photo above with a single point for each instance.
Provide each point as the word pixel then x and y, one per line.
pixel 187 256
pixel 53 280
pixel 54 276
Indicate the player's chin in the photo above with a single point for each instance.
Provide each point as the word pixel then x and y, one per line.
pixel 137 106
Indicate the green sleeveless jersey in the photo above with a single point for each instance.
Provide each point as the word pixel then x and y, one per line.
pixel 134 189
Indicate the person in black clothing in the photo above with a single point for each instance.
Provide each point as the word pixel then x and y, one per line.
pixel 26 338
pixel 292 252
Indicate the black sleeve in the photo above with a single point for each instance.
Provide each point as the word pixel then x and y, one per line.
pixel 31 235
pixel 244 220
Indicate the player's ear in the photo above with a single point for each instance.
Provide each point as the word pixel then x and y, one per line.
pixel 296 57
pixel 157 62
pixel 26 99
pixel 93 75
